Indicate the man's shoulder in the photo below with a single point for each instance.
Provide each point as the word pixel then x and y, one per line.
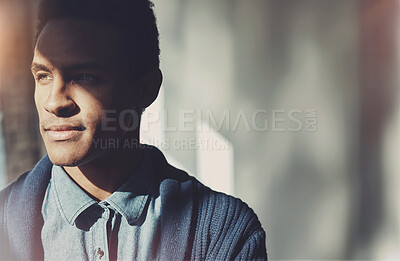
pixel 28 182
pixel 225 212
pixel 177 185
pixel 5 195
pixel 205 198
pixel 225 225
pixel 5 192
pixel 175 181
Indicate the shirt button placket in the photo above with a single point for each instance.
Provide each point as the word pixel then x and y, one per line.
pixel 101 245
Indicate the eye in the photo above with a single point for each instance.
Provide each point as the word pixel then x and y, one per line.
pixel 44 78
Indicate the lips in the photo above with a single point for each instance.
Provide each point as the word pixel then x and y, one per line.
pixel 63 132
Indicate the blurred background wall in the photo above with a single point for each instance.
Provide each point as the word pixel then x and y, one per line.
pixel 329 192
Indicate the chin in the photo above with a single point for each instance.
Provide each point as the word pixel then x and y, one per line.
pixel 64 155
pixel 65 160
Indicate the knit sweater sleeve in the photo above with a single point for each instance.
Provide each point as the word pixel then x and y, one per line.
pixel 4 248
pixel 227 229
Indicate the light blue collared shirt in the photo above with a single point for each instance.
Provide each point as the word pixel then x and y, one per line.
pixel 124 226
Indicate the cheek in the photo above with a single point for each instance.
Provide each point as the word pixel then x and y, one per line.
pixel 95 98
pixel 97 104
pixel 92 119
pixel 39 100
pixel 36 97
pixel 91 112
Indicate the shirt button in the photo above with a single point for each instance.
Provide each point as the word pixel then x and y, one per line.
pixel 100 253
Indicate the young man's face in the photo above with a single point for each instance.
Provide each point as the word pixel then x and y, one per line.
pixel 79 72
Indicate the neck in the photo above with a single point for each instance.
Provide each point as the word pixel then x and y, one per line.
pixel 104 175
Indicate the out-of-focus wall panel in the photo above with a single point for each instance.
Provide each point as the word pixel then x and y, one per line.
pixel 284 55
pixel 376 201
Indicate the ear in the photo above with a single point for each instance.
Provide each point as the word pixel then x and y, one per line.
pixel 150 85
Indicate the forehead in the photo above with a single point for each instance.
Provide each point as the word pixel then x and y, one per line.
pixel 72 41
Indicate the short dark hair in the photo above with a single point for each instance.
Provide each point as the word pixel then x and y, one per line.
pixel 135 19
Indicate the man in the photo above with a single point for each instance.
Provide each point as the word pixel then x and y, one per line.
pixel 83 201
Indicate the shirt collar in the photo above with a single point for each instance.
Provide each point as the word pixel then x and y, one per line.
pixel 129 200
pixel 71 199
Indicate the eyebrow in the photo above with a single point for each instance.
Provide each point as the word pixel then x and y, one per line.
pixel 75 67
pixel 35 67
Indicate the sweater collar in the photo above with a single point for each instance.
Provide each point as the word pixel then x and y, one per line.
pixel 27 197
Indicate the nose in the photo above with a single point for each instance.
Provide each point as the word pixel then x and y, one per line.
pixel 59 102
